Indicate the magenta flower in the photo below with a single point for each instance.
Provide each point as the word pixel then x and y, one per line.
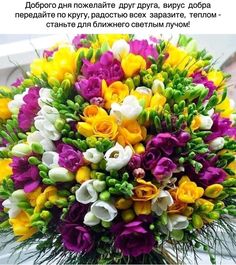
pixel 99 101
pixel 150 158
pixel 164 168
pixel 18 82
pixel 49 53
pixel 212 175
pixel 143 48
pixel 69 158
pixel 76 213
pixel 135 162
pixel 78 41
pixel 29 109
pixel 107 68
pixel 133 239
pixel 25 176
pixel 89 88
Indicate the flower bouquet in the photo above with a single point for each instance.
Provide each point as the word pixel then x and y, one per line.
pixel 118 150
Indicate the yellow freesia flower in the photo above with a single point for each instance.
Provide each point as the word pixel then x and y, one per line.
pixel 32 196
pixel 4 110
pixel 216 77
pixel 105 127
pixel 195 124
pixel 142 207
pixel 85 129
pixel 143 94
pixel 92 111
pixel 132 64
pixel 115 93
pixel 144 191
pixel 225 108
pixel 22 227
pixel 5 169
pixel 213 191
pixel 157 101
pixel 188 191
pixel 111 38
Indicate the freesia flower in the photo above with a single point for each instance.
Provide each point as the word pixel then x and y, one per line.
pixel 164 168
pixel 117 157
pixel 142 207
pixel 134 238
pixel 128 109
pixel 60 174
pixel 132 64
pixel 21 150
pixel 144 191
pixel 45 97
pixel 120 49
pixel 5 112
pixel 206 122
pixel 86 193
pixel 157 86
pixel 150 158
pixel 111 38
pixel 37 137
pixel 104 211
pixel 217 144
pixel 135 162
pixel 50 159
pixel 15 104
pixel 216 76
pixel 93 156
pixel 211 175
pixel 78 41
pixel 177 222
pixel 161 202
pixel 114 93
pixel 25 176
pixel 5 168
pixel 69 158
pixel 12 203
pixel 22 227
pixel 143 94
pixel 92 111
pixel 90 219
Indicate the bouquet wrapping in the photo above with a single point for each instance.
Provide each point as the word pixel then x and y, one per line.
pixel 117 150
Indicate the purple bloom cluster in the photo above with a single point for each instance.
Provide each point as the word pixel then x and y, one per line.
pixel 78 41
pixel 29 109
pixel 69 158
pixel 76 236
pixel 25 176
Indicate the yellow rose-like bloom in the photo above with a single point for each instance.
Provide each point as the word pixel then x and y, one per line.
pixel 105 127
pixel 188 191
pixel 216 77
pixel 5 169
pixel 92 111
pixel 22 227
pixel 132 64
pixel 144 191
pixel 111 38
pixel 225 108
pixel 4 110
pixel 131 132
pixel 49 194
pixel 142 207
pixel 115 93
pixel 157 101
pixel 32 196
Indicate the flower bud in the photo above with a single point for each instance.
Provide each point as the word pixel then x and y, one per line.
pixel 197 221
pixel 105 196
pixel 138 172
pixel 177 235
pixel 60 174
pixel 123 204
pixel 206 122
pixel 90 219
pixel 50 159
pixel 99 185
pixel 93 156
pixel 139 148
pixel 45 215
pixel 21 150
pixel 91 141
pixel 59 124
pixel 187 211
pixel 157 86
pixel 106 224
pixel 19 195
pixel 37 148
pixel 142 207
pixel 213 191
pixel 214 215
pixel 217 144
pixel 128 215
pixel 204 205
pixel 83 174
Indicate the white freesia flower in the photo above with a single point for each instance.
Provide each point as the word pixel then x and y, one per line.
pixel 99 185
pixel 233 118
pixel 117 157
pixel 120 49
pixel 211 111
pixel 60 174
pixel 129 109
pixel 45 97
pixel 50 159
pixel 93 155
pixel 104 211
pixel 12 203
pixel 217 144
pixel 161 202
pixel 37 137
pixel 20 150
pixel 46 128
pixel 17 102
pixel 206 122
pixel 177 222
pixel 90 219
pixel 157 86
pixel 86 192
pixel 50 113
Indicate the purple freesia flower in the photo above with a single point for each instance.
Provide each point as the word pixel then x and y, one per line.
pixel 165 141
pixel 107 68
pixel 150 158
pixel 89 88
pixel 164 168
pixel 212 175
pixel 29 109
pixel 69 158
pixel 76 236
pixel 221 127
pixel 78 41
pixel 18 82
pixel 135 162
pixel 134 238
pixel 143 48
pixel 49 53
pixel 25 176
